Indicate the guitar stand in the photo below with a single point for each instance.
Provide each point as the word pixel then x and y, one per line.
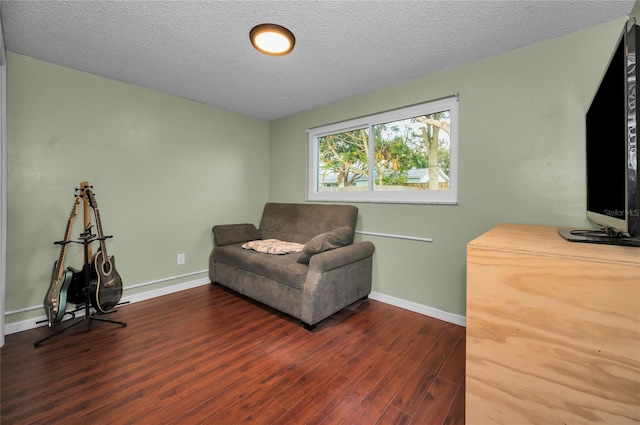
pixel 86 239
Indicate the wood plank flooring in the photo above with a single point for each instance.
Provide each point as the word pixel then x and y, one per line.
pixel 210 356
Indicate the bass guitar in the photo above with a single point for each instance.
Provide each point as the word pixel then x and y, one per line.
pixel 108 289
pixel 55 302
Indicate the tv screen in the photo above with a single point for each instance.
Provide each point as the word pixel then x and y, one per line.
pixel 611 149
pixel 606 128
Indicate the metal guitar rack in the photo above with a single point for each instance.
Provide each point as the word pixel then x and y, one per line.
pixel 86 238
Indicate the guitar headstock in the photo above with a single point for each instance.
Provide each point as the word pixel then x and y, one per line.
pixel 92 198
pixel 83 191
pixel 74 209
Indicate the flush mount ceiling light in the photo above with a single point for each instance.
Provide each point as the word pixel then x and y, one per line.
pixel 272 39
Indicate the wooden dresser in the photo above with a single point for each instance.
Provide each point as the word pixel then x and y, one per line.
pixel 553 330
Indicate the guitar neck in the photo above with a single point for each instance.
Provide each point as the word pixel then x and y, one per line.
pixel 103 245
pixel 84 187
pixel 67 235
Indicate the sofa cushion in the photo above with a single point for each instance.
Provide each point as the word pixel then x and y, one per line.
pixel 324 242
pixel 226 234
pixel 301 222
pixel 281 268
pixel 273 246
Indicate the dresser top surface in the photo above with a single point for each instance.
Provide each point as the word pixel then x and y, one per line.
pixel 545 240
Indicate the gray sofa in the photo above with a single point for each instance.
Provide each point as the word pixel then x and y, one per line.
pixel 330 273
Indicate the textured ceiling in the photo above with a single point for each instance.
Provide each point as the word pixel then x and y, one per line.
pixel 200 50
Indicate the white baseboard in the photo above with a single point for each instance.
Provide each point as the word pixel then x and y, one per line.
pixel 24 325
pixel 456 319
pixel 166 290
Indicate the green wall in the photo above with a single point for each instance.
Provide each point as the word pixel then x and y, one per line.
pixel 164 170
pixel 521 150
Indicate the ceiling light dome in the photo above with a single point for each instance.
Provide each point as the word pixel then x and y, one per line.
pixel 272 39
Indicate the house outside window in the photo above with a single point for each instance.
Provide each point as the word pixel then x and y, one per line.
pixel 407 155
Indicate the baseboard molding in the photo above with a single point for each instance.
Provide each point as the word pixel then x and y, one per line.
pixel 147 295
pixel 456 319
pixel 24 325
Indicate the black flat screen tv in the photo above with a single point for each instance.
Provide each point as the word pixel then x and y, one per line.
pixel 613 198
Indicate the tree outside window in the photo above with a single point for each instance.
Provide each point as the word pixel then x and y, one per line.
pixel 389 160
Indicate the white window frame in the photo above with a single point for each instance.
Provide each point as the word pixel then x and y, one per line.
pixel 449 196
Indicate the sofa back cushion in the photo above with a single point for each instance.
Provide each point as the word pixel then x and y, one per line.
pixel 301 222
pixel 325 242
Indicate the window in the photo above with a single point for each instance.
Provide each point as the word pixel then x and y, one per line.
pixel 407 155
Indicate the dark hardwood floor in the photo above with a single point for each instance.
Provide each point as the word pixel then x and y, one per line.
pixel 209 356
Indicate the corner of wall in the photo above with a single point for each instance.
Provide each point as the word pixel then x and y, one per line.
pixel 635 12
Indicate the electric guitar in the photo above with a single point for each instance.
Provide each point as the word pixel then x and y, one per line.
pixel 55 302
pixel 77 293
pixel 108 288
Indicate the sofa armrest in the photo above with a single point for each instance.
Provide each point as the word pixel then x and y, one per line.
pixel 336 279
pixel 227 234
pixel 339 257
